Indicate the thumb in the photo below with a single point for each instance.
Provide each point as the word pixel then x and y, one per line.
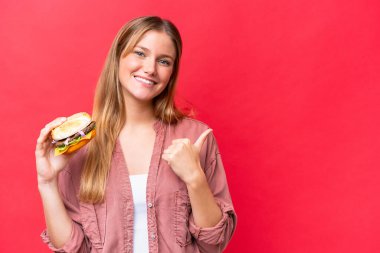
pixel 201 139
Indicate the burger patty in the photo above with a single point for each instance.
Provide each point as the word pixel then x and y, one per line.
pixel 85 130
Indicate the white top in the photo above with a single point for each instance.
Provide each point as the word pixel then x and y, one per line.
pixel 140 225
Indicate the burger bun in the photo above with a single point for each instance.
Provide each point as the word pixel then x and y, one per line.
pixel 72 125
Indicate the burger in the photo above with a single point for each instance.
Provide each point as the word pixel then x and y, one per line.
pixel 73 134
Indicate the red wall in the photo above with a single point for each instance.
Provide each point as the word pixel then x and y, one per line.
pixel 291 89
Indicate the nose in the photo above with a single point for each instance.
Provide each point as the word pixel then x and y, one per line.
pixel 149 66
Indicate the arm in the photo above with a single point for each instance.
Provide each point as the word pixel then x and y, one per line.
pixel 62 235
pixel 58 223
pixel 213 220
pixel 205 210
pixel 216 238
pixel 183 158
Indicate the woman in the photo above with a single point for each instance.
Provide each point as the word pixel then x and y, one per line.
pixel 152 180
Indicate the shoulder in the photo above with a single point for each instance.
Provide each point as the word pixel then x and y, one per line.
pixel 186 128
pixel 193 125
pixel 192 128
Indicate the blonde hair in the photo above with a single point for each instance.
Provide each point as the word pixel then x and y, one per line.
pixel 109 107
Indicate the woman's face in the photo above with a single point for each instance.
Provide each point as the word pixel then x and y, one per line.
pixel 145 72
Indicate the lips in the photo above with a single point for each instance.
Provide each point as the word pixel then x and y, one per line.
pixel 145 80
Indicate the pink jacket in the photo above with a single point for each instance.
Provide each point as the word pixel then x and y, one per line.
pixel 108 227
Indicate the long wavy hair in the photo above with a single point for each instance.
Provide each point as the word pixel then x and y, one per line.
pixel 109 106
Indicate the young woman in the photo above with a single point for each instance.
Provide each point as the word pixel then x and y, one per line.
pixel 152 180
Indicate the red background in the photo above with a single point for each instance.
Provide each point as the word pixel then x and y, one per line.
pixel 291 89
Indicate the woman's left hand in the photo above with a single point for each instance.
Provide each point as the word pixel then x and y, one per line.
pixel 183 157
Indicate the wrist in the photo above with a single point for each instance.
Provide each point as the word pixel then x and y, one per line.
pixel 197 179
pixel 47 185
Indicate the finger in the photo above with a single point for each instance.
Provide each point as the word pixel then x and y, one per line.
pixel 173 151
pixel 55 123
pixel 184 140
pixel 166 157
pixel 169 149
pixel 42 143
pixel 201 139
pixel 44 134
pixel 177 147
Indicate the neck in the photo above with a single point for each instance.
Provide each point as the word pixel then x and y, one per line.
pixel 139 114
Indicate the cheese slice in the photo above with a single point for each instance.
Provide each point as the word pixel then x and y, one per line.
pixel 73 147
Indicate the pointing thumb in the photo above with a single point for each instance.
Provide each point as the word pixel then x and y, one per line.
pixel 201 139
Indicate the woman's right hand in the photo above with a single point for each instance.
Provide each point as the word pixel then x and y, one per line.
pixel 48 165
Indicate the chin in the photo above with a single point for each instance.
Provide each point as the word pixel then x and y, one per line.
pixel 143 95
pixel 144 98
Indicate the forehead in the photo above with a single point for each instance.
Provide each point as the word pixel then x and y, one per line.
pixel 157 42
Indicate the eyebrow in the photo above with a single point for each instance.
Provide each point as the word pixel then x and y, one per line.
pixel 162 55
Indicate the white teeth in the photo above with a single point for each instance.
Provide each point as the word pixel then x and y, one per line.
pixel 144 80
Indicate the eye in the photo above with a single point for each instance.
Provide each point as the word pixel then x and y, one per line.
pixel 139 53
pixel 164 62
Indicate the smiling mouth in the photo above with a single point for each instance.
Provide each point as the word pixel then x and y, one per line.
pixel 143 80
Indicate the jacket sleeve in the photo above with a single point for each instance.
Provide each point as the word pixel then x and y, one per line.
pixel 76 242
pixel 215 239
pixel 68 191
